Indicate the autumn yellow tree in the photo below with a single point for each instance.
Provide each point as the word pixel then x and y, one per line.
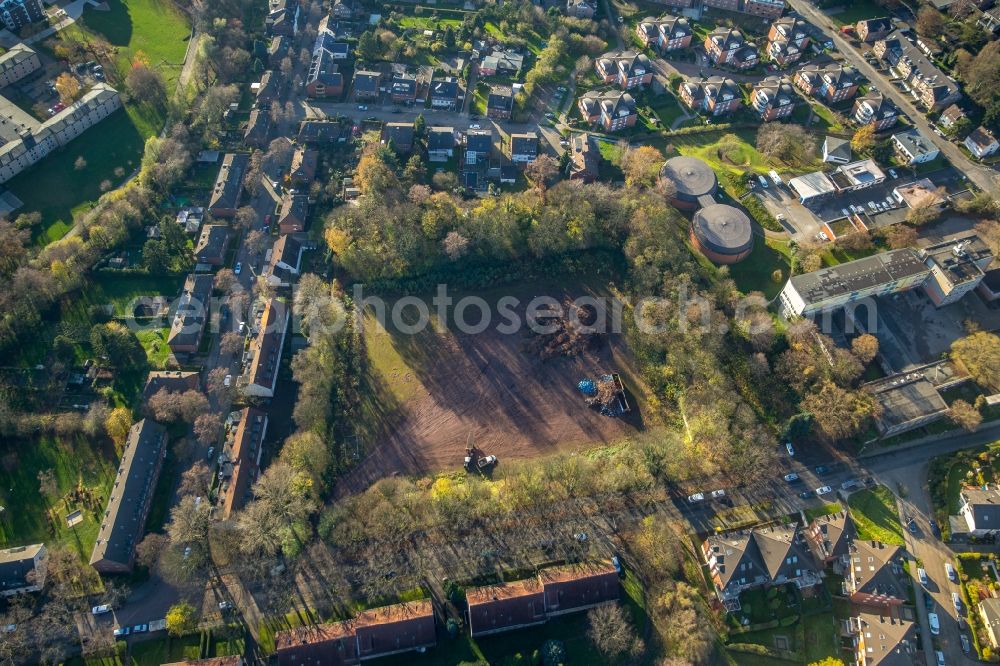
pixel 980 354
pixel 865 347
pixel 965 415
pixel 863 141
pixel 117 425
pixel 68 88
pixel 641 166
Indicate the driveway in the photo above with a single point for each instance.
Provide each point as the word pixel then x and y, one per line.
pixel 985 178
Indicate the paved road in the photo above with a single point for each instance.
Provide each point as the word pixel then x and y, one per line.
pixel 985 178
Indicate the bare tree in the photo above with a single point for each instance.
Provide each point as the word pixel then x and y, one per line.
pixel 195 480
pixel 612 633
pixel 231 343
pixel 207 427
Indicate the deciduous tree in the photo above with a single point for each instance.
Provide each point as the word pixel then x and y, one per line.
pixel 980 354
pixel 642 166
pixel 965 415
pixel 117 425
pixel 68 88
pixel 865 347
pixel 863 141
pixel 181 619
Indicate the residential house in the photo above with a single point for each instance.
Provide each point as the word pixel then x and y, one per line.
pixel 303 168
pixel 18 62
pixel 829 539
pixel 950 116
pixel 321 131
pixel 228 187
pixel 727 5
pixel 283 262
pixel 787 40
pixel 877 575
pixel 626 69
pixel 914 147
pixel 478 146
pixel 773 98
pixel 727 47
pixel 833 83
pixel 22 569
pixel 277 51
pixel 584 9
pixel 399 136
pixel 836 150
pixel 264 355
pixel 883 636
pixel 502 63
pixel 875 109
pixel 211 246
pixel 500 103
pixel 611 110
pixel 523 147
pixel 324 78
pixel 191 315
pixel 444 93
pixel 758 557
pixel 124 519
pixel 989 612
pixel 242 454
pixel 556 591
pixel 403 89
pixel 715 96
pixel 366 85
pixel 980 508
pixel 258 130
pixel 269 89
pixel 766 8
pixel 981 143
pixel 15 14
pixel 934 89
pixel 294 213
pixel 872 30
pixel 440 143
pixel 283 18
pixel 377 632
pixel 584 159
pixel 667 33
pixel 172 381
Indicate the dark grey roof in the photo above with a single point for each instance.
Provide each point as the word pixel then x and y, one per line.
pixel 899 47
pixel 440 138
pixel 400 134
pixel 318 131
pixel 15 566
pixel 692 177
pixel 524 144
pixel 985 506
pixel 858 274
pixel 838 147
pixel 229 183
pixel 446 88
pixel 403 86
pixel 212 241
pixel 123 521
pixel 367 81
pixel 723 229
pixel 324 70
pixel 192 310
pixel 882 24
pixel 500 97
pixel 479 141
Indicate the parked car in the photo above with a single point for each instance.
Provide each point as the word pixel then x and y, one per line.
pixel 697 497
pixel 912 526
pixel 932 619
pixel 101 610
pixel 966 647
pixel 940 657
pixel 957 601
pixel 824 490
pixel 806 494
pixel 821 469
pixel 238 268
pixel 790 448
pixel 122 631
pixel 792 477
pixel 225 605
pixel 892 172
pixel 716 494
pixel 475 126
pixel 950 570
pixel 922 575
pixel 228 381
pixel 935 530
pixel 763 181
pixel 140 628
pixel 928 602
pixel 362 107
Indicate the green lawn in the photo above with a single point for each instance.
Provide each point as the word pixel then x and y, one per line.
pixel 154 30
pixel 855 10
pixel 156 652
pixel 154 341
pixel 428 22
pixel 755 273
pixel 825 510
pixel 667 108
pixel 838 255
pixel 736 156
pixel 875 515
pixel 59 190
pixel 83 470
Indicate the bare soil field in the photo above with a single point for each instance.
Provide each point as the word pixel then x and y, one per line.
pixel 438 391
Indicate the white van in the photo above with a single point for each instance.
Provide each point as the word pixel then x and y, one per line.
pixel 922 575
pixel 932 619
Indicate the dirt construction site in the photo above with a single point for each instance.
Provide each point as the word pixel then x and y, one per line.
pixel 512 395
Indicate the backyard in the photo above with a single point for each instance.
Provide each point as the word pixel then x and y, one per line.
pixel 876 516
pixel 757 272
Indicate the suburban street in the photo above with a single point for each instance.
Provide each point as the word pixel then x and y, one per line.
pixel 984 177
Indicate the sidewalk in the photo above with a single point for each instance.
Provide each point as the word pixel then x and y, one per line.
pixel 987 432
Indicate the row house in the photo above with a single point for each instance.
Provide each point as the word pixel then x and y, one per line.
pixel 667 33
pixel 612 110
pixel 444 93
pixel 765 8
pixel 626 69
pixel 832 83
pixel 773 98
pixel 829 538
pixel 931 87
pixel 715 96
pixel 727 46
pixel 759 557
pixel 875 109
pixel 787 41
pixel 367 84
pixel 440 143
